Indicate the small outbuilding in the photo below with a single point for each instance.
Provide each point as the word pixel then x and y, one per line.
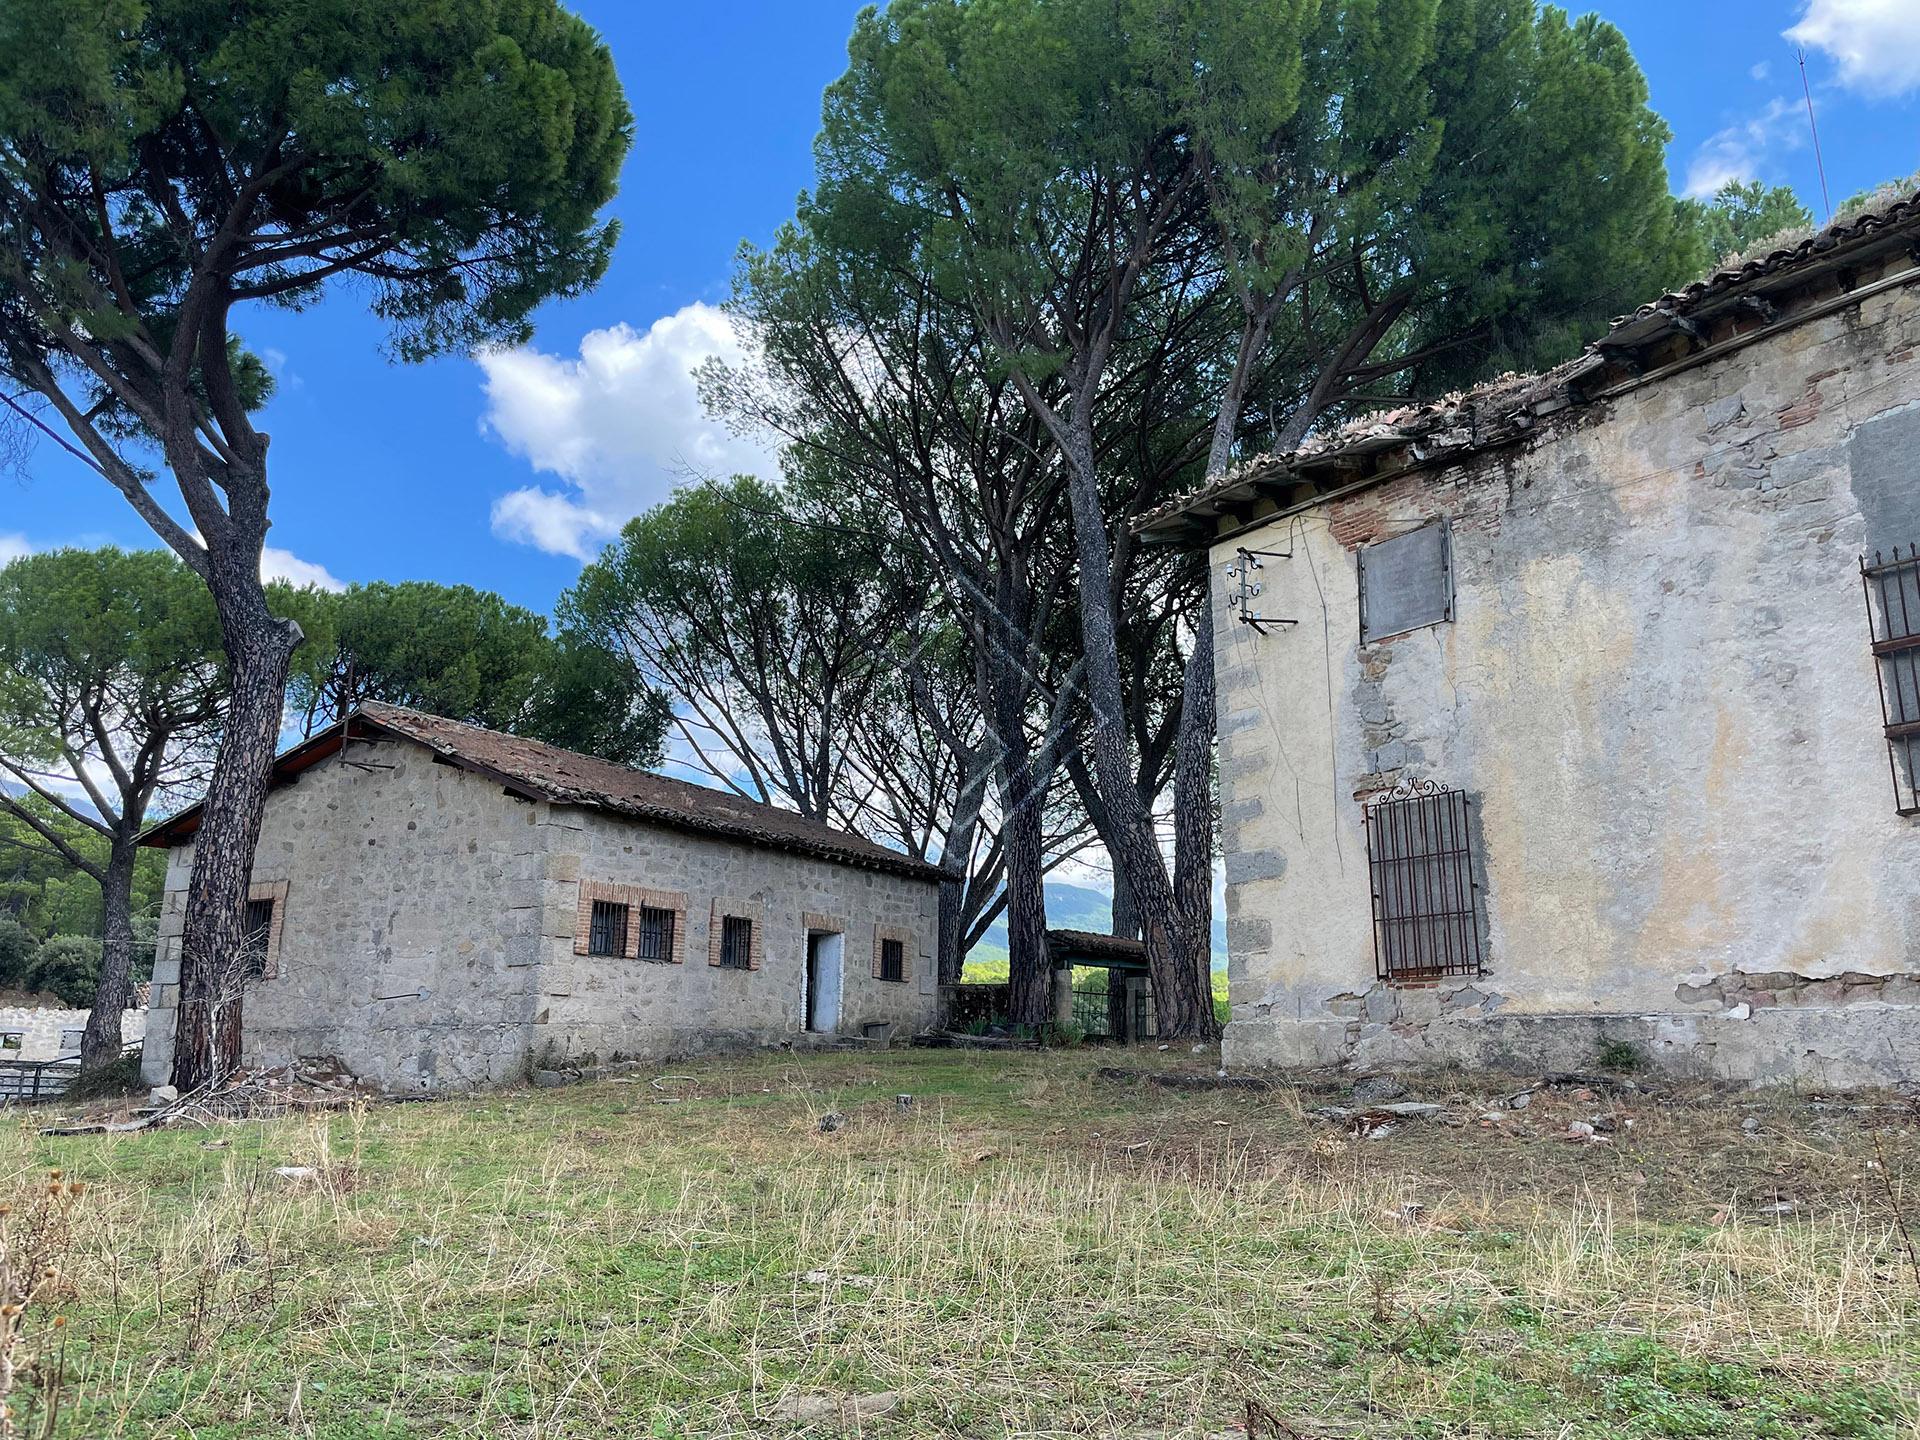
pixel 1578 715
pixel 439 906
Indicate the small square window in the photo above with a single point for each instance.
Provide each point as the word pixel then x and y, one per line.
pixel 656 933
pixel 893 960
pixel 607 932
pixel 12 1040
pixel 736 943
pixel 259 933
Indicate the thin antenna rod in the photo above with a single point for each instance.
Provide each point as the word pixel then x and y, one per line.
pixel 1800 54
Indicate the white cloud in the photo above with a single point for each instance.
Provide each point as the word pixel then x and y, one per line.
pixel 1876 43
pixel 619 426
pixel 13 545
pixel 1762 70
pixel 277 564
pixel 1740 151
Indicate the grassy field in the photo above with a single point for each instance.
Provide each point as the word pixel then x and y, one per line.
pixel 1026 1249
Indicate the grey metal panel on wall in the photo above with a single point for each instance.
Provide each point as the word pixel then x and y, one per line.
pixel 1406 582
pixel 1885 458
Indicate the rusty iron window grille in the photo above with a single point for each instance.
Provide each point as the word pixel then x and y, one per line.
pixel 736 943
pixel 656 933
pixel 1892 585
pixel 893 960
pixel 607 928
pixel 1426 902
pixel 259 932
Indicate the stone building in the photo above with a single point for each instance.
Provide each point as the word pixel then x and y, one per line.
pixel 50 1032
pixel 440 906
pixel 1581 710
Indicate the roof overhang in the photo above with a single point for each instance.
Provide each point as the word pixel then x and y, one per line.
pixel 1731 309
pixel 290 764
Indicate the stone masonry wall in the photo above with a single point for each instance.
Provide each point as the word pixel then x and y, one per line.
pixel 43 1033
pixel 1656 691
pixel 427 934
pixel 410 939
pixel 604 1008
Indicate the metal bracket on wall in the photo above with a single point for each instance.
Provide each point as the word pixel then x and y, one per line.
pixel 1247 589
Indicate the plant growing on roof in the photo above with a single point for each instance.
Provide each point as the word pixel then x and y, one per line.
pixel 165 164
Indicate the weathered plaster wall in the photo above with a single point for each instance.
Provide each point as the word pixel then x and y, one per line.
pixel 428 933
pixel 1658 693
pixel 608 1008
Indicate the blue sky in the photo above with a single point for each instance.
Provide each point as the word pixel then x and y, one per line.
pixel 500 474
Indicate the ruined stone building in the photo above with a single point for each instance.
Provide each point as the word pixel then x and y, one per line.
pixel 1582 709
pixel 440 906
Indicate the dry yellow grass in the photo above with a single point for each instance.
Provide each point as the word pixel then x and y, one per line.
pixel 1025 1250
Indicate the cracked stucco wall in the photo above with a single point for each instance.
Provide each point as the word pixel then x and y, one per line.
pixel 1656 688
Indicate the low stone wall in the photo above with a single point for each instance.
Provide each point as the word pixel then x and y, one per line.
pixel 44 1034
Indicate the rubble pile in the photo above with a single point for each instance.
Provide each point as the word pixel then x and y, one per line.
pixel 313 1082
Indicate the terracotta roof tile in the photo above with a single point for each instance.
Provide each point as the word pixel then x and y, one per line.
pixel 1503 409
pixel 567 778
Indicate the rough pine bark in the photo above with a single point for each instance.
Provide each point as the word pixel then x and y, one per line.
pixel 212 963
pixel 101 1041
pixel 1193 807
pixel 953 892
pixel 1182 1007
pixel 1023 842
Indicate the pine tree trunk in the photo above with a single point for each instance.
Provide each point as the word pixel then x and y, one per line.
pixel 212 961
pixel 957 857
pixel 1193 807
pixel 1182 1008
pixel 101 1041
pixel 1029 969
pixel 1023 842
pixel 1126 915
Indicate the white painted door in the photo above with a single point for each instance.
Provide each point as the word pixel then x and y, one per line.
pixel 826 956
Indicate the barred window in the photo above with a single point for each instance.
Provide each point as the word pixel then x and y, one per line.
pixel 736 943
pixel 259 932
pixel 893 960
pixel 656 933
pixel 1893 620
pixel 1426 903
pixel 607 929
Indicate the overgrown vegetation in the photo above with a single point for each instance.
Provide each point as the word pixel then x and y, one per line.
pixel 1024 1249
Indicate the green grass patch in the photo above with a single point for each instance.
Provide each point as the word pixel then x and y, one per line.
pixel 1025 1249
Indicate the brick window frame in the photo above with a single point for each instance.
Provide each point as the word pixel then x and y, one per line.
pixel 738 908
pixel 909 952
pixel 274 892
pixel 635 898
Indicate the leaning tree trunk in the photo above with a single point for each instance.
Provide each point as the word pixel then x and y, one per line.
pixel 1178 999
pixel 1193 808
pixel 1029 967
pixel 1023 843
pixel 101 1041
pixel 212 960
pixel 957 861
